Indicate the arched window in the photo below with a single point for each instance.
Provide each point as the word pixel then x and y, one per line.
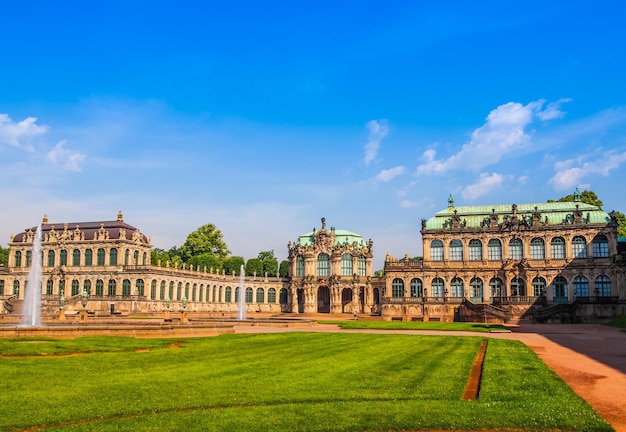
pixel 187 290
pixel 162 290
pixel 323 265
pixel 456 250
pixel 194 289
pixel 579 247
pixel 537 249
pixel 125 287
pixel 417 290
pixel 76 258
pixel 516 249
pixel 136 257
pixel 140 287
pixel 557 247
pixel 494 250
pixel 271 295
pixel 171 291
pixel 436 250
pixel 495 286
pixel 476 289
pixel 153 290
pixel 49 287
pixel 179 291
pixel 299 265
pixel 559 290
pixel 63 257
pixel 29 258
pixel 100 287
pixel 2 286
pixel 518 288
pixel 475 250
pixel 361 266
pixel 75 287
pixel 284 296
pixel 100 258
pixel 236 294
pixel 214 295
pixel 260 295
pixel 113 257
pixel 144 258
pixel 437 287
pixel 228 294
pixel 456 288
pixel 112 287
pixel 346 265
pixel 87 286
pixel 397 288
pixel 51 258
pixel 539 286
pixel 603 286
pixel 18 259
pixel 16 287
pixel 581 286
pixel 88 257
pixel 600 246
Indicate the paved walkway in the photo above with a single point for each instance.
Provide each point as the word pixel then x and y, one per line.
pixel 590 358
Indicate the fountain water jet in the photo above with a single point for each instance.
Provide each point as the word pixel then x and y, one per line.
pixel 241 309
pixel 31 315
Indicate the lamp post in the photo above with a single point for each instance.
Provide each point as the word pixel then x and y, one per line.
pixel 62 307
pixel 184 318
pixel 168 304
pixel 84 297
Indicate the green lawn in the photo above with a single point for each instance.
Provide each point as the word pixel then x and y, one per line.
pixel 619 322
pixel 281 382
pixel 416 325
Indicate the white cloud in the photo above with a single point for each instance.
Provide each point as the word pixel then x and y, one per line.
pixel 570 173
pixel 63 157
pixel 378 129
pixel 484 185
pixel 386 175
pixel 504 134
pixel 20 134
pixel 408 204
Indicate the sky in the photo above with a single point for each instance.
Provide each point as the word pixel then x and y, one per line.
pixel 263 117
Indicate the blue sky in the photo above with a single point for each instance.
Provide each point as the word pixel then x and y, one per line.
pixel 263 117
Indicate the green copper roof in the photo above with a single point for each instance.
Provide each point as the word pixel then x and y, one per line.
pixel 342 236
pixel 555 213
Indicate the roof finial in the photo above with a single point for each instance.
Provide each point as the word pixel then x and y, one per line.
pixel 44 221
pixel 576 195
pixel 120 216
pixel 323 223
pixel 450 201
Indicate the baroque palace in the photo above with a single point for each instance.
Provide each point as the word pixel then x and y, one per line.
pixel 555 262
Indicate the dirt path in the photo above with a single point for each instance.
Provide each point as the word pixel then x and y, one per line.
pixel 591 359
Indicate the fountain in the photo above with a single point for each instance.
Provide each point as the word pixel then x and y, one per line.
pixel 241 309
pixel 31 315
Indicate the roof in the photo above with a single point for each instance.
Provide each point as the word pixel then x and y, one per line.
pixel 341 236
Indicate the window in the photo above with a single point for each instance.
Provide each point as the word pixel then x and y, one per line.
pixel 162 291
pixel 437 287
pixel 559 289
pixel 600 246
pixel 475 250
pixel 99 287
pixel 323 265
pixel 187 290
pixel 476 289
pixel 228 294
pixel 16 287
pixel 346 265
pixel 436 250
pixel 125 287
pixel 76 258
pixel 516 249
pixel 2 286
pixel 361 265
pixel 397 288
pixel 112 288
pixel 299 265
pixel 518 288
pixel 29 258
pixel 171 291
pixel 153 290
pixel 88 257
pixel 194 288
pixel 113 257
pixel 581 286
pixel 75 287
pixel 417 290
pixel 140 287
pixel 50 258
pixel 214 296
pixel 456 250
pixel 100 258
pixel 87 286
pixel 579 247
pixel 179 291
pixel 456 288
pixel 49 287
pixel 144 258
pixel 537 249
pixel 63 257
pixel 539 286
pixel 495 285
pixel 494 250
pixel 603 286
pixel 260 295
pixel 284 296
pixel 557 247
pixel 135 257
pixel 18 259
pixel 271 295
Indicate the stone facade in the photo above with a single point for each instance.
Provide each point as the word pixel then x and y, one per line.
pixel 504 262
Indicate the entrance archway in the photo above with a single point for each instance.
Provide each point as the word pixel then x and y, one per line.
pixel 346 300
pixel 323 299
pixel 300 293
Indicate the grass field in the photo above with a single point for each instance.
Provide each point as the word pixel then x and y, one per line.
pixel 416 325
pixel 280 382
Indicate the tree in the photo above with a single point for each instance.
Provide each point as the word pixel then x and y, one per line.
pixel 254 265
pixel 621 224
pixel 266 255
pixel 4 256
pixel 284 269
pixel 206 239
pixel 208 261
pixel 270 266
pixel 586 196
pixel 233 264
